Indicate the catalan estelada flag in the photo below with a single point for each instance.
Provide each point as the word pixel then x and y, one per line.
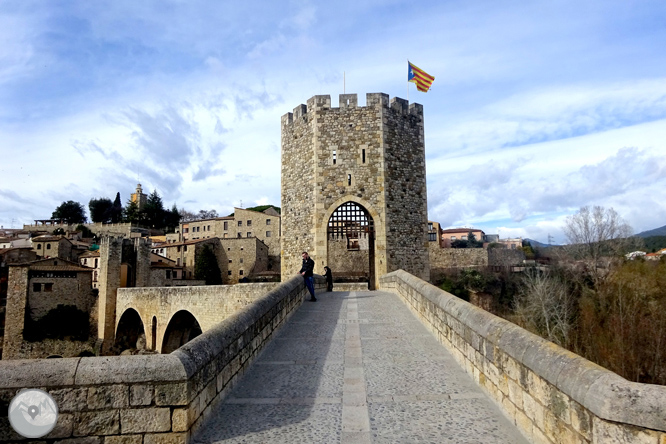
pixel 422 79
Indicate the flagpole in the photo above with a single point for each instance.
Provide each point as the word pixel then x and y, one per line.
pixel 408 81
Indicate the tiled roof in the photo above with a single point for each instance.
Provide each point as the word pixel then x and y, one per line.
pixel 458 230
pixel 54 264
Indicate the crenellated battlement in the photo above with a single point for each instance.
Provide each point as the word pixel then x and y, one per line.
pixel 350 101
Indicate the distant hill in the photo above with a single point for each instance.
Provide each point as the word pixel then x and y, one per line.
pixel 535 243
pixel 656 232
pixel 654 243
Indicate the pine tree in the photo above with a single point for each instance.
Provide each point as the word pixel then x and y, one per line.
pixel 154 211
pixel 131 212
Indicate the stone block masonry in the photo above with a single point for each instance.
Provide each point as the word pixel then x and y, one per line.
pixel 372 156
pixel 150 398
pixel 552 395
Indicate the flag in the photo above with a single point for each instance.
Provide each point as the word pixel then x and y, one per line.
pixel 422 79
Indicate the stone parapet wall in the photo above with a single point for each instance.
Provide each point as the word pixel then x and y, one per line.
pixel 552 395
pixel 443 258
pixel 502 257
pixel 122 229
pixel 150 399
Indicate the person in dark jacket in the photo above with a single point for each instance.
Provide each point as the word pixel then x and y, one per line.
pixel 306 271
pixel 329 279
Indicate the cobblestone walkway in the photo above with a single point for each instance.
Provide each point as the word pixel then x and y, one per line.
pixel 356 367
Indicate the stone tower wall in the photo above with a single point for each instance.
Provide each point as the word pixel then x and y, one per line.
pixel 17 294
pixel 110 249
pixel 364 141
pixel 297 189
pixel 406 209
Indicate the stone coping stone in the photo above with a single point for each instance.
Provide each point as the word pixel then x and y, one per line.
pixel 129 369
pixel 22 373
pixel 604 393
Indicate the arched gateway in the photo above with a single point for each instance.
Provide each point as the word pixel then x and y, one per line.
pixel 352 175
pixel 350 243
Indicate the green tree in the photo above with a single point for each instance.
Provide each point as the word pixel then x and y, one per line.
pixel 206 267
pixel 85 231
pixel 58 231
pixel 172 218
pixel 131 212
pixel 459 243
pixel 472 242
pixel 154 211
pixel 116 211
pixel 100 209
pixel 70 212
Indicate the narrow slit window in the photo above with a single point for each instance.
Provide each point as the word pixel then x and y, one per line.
pixel 335 156
pixel 349 179
pixel 363 154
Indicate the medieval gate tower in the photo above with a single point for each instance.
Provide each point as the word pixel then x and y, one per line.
pixel 354 187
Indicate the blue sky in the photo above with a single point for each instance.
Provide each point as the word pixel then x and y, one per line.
pixel 536 109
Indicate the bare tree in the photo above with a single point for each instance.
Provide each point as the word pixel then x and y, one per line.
pixel 546 306
pixel 594 234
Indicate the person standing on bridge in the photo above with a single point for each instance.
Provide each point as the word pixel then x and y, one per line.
pixel 329 279
pixel 307 271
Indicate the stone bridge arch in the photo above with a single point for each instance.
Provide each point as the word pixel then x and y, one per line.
pixel 130 327
pixel 181 329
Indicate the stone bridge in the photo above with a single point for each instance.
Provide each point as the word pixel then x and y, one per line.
pixel 171 316
pixel 354 367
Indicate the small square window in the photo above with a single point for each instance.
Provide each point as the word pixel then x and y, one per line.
pixel 240 272
pixel 268 221
pixel 39 246
pixel 268 234
pixel 228 249
pixel 240 223
pixel 249 234
pixel 241 260
pixel 229 272
pixel 48 246
pixel 226 225
pixel 240 234
pixel 229 260
pixel 249 223
pixel 36 287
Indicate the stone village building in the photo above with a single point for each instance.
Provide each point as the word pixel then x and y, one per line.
pixel 265 226
pixel 237 257
pixel 35 289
